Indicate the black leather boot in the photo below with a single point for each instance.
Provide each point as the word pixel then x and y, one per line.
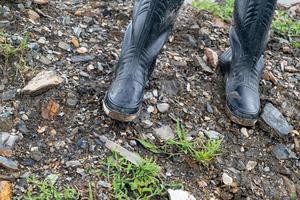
pixel 243 64
pixel 144 38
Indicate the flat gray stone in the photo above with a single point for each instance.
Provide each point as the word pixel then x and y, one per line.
pixel 274 122
pixel 8 140
pixel 64 46
pixel 170 87
pixel 8 95
pixel 73 163
pixel 87 58
pixel 281 152
pixel 9 164
pixel 134 158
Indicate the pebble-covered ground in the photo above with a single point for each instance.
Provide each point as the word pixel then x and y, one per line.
pixel 51 124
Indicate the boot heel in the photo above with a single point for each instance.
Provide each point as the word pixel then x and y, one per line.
pixel 225 62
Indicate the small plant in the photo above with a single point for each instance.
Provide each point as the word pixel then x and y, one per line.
pixel 285 25
pixel 209 151
pixel 131 181
pixel 295 44
pixel 149 146
pixel 222 10
pixel 201 151
pixel 282 23
pixel 46 190
pixel 14 54
pixel 90 192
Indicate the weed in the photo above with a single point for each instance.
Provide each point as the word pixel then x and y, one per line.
pixel 282 23
pixel 14 54
pixel 45 190
pixel 295 44
pixel 201 151
pixel 209 151
pixel 285 25
pixel 129 181
pixel 222 10
pixel 90 191
pixel 149 146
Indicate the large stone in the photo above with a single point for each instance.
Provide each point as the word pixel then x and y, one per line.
pixel 199 62
pixel 128 155
pixel 180 195
pixel 86 58
pixel 213 135
pixel 8 140
pixel 165 133
pixel 274 122
pixel 9 164
pixel 42 82
pixel 163 107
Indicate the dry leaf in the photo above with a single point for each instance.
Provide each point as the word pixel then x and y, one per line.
pixel 5 190
pixel 50 110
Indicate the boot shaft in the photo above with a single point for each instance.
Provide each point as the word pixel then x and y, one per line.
pixel 146 34
pixel 252 21
pixel 151 18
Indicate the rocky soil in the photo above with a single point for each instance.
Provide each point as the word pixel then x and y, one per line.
pixel 51 112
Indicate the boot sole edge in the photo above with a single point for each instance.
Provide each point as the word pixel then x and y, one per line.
pixel 239 120
pixel 118 115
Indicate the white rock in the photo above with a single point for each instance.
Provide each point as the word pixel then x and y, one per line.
pixel 150 109
pixel 163 107
pixel 227 180
pixel 164 133
pixel 42 82
pixel 213 135
pixel 180 195
pixel 245 132
pixel 155 93
pixel 251 165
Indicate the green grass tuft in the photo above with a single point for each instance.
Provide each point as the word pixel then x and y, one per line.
pixel 282 23
pixel 131 181
pixel 14 54
pixel 45 190
pixel 223 10
pixel 200 150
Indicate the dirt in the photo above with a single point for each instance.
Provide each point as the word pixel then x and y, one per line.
pixel 179 81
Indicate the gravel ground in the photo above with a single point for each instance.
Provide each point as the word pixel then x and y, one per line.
pixel 80 42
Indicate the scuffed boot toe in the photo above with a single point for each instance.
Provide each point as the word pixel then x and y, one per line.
pixel 243 106
pixel 122 101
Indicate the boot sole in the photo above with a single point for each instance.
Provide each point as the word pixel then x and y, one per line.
pixel 118 115
pixel 239 120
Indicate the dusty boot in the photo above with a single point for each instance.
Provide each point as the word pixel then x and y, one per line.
pixel 243 64
pixel 144 38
